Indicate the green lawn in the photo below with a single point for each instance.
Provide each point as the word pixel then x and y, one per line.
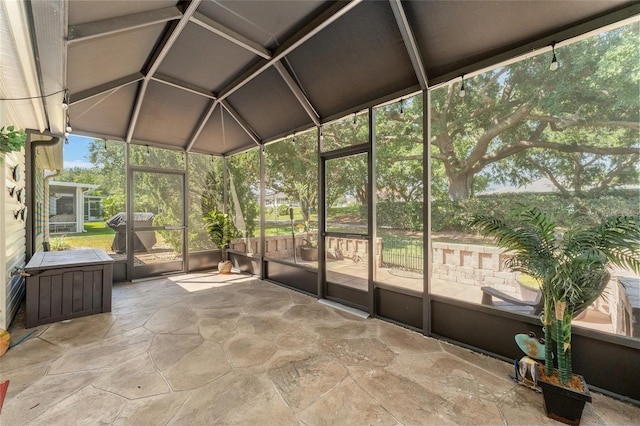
pixel 97 235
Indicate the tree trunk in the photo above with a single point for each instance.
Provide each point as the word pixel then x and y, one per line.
pixel 460 186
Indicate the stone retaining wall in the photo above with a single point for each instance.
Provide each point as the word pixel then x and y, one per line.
pixel 473 265
pixel 281 246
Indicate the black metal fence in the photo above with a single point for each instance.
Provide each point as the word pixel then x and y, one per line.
pixel 403 253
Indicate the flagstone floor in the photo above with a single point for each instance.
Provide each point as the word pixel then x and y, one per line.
pixel 206 349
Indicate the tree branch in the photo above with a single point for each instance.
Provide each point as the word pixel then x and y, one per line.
pixel 549 175
pixel 605 183
pixel 564 123
pixel 508 122
pixel 524 145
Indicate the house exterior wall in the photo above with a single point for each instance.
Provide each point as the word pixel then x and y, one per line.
pixel 40 197
pixel 13 245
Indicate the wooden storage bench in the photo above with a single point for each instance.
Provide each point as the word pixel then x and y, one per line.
pixel 67 284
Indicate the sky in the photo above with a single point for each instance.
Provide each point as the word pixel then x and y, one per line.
pixel 76 152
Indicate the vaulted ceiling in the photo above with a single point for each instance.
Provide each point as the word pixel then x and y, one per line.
pixel 221 76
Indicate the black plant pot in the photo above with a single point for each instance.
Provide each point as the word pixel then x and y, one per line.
pixel 564 404
pixel 309 253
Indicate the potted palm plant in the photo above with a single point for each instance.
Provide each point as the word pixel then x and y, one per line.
pixel 573 269
pixel 221 231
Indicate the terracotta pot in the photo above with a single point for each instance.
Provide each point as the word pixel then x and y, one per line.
pixel 562 403
pixel 224 267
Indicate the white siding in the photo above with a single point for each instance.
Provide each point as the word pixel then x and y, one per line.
pixel 13 237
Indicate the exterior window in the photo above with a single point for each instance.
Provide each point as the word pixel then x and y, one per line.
pixel 205 190
pixel 565 141
pixel 348 131
pixel 292 187
pixel 400 194
pixel 89 191
pixel 243 202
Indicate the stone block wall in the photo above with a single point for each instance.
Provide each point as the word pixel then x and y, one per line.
pixel 473 265
pixel 281 246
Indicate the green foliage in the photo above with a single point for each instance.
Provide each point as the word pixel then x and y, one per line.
pixel 205 188
pixel 221 229
pixel 244 185
pixel 572 267
pixel 59 244
pixel 577 126
pixel 11 140
pixel 113 204
pixel 291 167
pixel 400 215
pixel 283 210
pixel 454 216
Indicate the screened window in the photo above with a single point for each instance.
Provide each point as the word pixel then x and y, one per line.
pixel 291 197
pixel 243 204
pixel 565 141
pixel 400 194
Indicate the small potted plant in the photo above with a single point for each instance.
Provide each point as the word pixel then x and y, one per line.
pixel 221 231
pixel 573 271
pixel 309 248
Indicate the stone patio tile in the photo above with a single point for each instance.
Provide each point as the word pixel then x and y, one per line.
pixel 30 352
pixel 492 365
pixel 347 404
pixel 303 381
pixel 248 351
pixel 167 349
pixel 209 349
pixel 200 366
pixel 154 410
pixel 128 322
pixel 348 330
pixel 22 378
pixel 218 299
pixel 402 340
pixel 45 393
pixel 135 378
pixel 129 337
pixel 273 303
pixel 310 314
pixel 299 339
pixel 79 331
pixel 523 406
pixel 171 318
pixel 453 373
pixel 614 412
pixel 97 356
pixel 369 352
pixel 265 326
pixel 217 313
pixel 216 330
pixel 89 406
pixel 409 402
pixel 236 398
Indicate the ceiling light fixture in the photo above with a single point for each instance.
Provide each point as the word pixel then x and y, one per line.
pixel 401 106
pixel 554 61
pixel 462 92
pixel 65 100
